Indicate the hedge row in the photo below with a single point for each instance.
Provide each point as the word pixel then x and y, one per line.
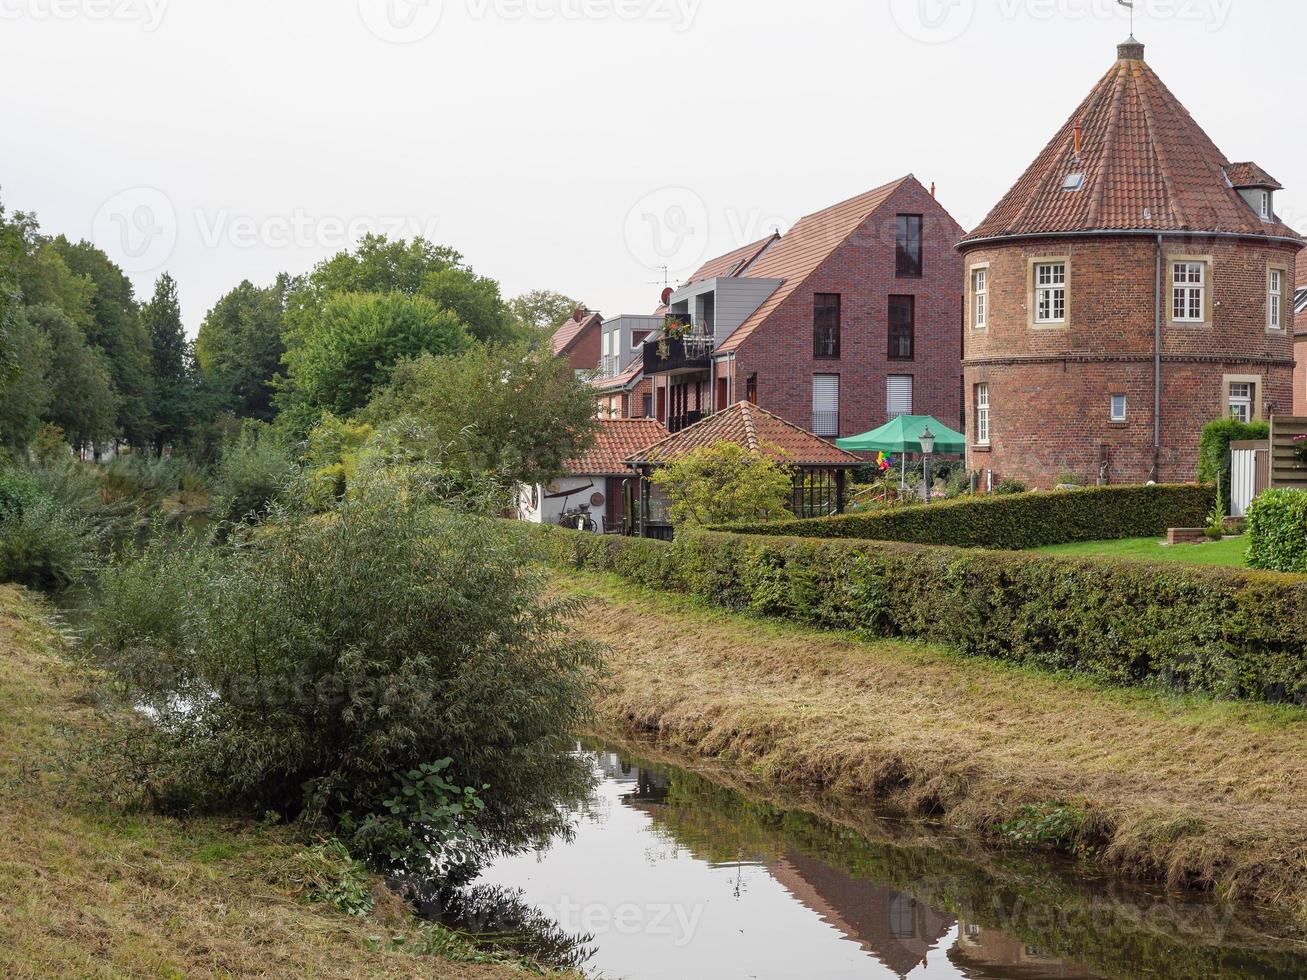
pixel 1219 631
pixel 1017 521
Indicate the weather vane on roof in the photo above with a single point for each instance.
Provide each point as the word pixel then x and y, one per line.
pixel 1131 5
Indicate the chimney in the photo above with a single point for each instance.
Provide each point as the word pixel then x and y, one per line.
pixel 578 314
pixel 932 188
pixel 1079 139
pixel 1130 50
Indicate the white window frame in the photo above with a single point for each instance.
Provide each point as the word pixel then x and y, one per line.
pixel 1266 205
pixel 980 297
pixel 825 384
pixel 1185 289
pixel 1121 415
pixel 982 415
pixel 1275 300
pixel 911 392
pixel 1247 399
pixel 1050 292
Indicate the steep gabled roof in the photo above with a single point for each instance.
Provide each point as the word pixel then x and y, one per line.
pixel 617 441
pixel 758 430
pixel 732 263
pixel 571 331
pixel 798 254
pixel 1147 166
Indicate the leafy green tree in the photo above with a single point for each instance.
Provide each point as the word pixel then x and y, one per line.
pixel 336 361
pixel 12 252
pixel 83 402
pixel 724 484
pixel 240 346
pixel 508 411
pixel 26 397
pixel 541 310
pixel 116 329
pixel 416 268
pixel 171 383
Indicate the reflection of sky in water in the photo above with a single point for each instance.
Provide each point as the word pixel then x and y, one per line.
pixel 657 911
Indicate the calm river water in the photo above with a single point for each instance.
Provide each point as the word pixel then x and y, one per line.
pixel 672 876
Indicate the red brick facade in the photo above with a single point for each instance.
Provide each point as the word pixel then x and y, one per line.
pixel 862 271
pixel 1050 388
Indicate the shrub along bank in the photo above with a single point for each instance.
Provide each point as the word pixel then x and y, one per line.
pixel 1220 631
pixel 1018 521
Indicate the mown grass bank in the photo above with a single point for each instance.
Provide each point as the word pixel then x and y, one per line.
pixel 1186 791
pixel 89 891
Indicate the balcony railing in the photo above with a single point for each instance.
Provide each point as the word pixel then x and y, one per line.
pixel 678 356
pixel 675 423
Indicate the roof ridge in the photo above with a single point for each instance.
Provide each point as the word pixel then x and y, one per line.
pixel 890 186
pixel 750 430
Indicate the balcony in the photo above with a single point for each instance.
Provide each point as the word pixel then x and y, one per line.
pixel 678 359
pixel 675 423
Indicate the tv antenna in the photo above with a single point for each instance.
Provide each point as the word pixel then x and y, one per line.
pixel 667 277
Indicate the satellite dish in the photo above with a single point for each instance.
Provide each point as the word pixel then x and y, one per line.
pixel 667 295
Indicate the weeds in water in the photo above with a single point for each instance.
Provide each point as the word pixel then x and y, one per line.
pixel 1052 825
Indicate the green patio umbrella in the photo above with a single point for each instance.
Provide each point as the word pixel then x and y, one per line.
pixel 902 436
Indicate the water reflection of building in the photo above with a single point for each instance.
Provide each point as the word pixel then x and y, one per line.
pixel 893 927
pixel 987 954
pixel 642 785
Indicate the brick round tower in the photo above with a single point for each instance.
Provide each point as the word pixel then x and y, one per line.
pixel 1133 286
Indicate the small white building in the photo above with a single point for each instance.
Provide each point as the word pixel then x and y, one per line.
pixel 598 481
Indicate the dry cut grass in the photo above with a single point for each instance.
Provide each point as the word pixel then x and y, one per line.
pixel 1191 792
pixel 90 893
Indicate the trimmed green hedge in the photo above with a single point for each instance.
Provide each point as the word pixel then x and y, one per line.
pixel 1214 450
pixel 1018 521
pixel 1230 633
pixel 1277 531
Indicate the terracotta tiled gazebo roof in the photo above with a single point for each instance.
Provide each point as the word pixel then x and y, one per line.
pixel 746 424
pixel 1131 159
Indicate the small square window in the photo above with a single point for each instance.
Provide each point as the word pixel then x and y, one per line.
pixel 1118 408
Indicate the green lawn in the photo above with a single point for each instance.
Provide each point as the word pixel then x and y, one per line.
pixel 1231 551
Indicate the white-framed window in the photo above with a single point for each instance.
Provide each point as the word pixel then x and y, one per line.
pixel 1241 400
pixel 1275 300
pixel 1189 292
pixel 1050 292
pixel 980 298
pixel 1266 205
pixel 826 405
pixel 982 415
pixel 1118 408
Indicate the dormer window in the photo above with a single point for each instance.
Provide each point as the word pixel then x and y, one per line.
pixel 1266 205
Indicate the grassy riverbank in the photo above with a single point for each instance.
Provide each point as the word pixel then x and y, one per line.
pixel 88 891
pixel 1185 791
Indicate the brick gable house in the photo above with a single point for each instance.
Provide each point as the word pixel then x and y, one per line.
pixel 579 340
pixel 847 321
pixel 1131 287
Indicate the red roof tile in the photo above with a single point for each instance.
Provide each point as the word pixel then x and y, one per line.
pixel 1147 166
pixel 732 263
pixel 568 334
pixel 617 441
pixel 1251 175
pixel 797 255
pixel 746 424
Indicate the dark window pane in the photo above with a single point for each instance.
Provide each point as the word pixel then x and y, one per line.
pixel 902 327
pixel 751 389
pixel 907 259
pixel 826 325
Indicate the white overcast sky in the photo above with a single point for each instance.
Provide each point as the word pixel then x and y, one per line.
pixel 573 144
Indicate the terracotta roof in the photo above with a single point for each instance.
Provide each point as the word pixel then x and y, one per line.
pixel 616 442
pixel 634 371
pixel 567 335
pixel 1251 175
pixel 732 263
pixel 797 255
pixel 1147 166
pixel 746 424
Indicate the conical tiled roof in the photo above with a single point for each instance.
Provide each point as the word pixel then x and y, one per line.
pixel 1147 166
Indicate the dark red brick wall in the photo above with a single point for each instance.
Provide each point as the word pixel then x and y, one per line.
pixel 1300 373
pixel 862 271
pixel 588 348
pixel 1050 388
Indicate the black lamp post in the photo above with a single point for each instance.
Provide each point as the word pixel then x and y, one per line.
pixel 927 440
